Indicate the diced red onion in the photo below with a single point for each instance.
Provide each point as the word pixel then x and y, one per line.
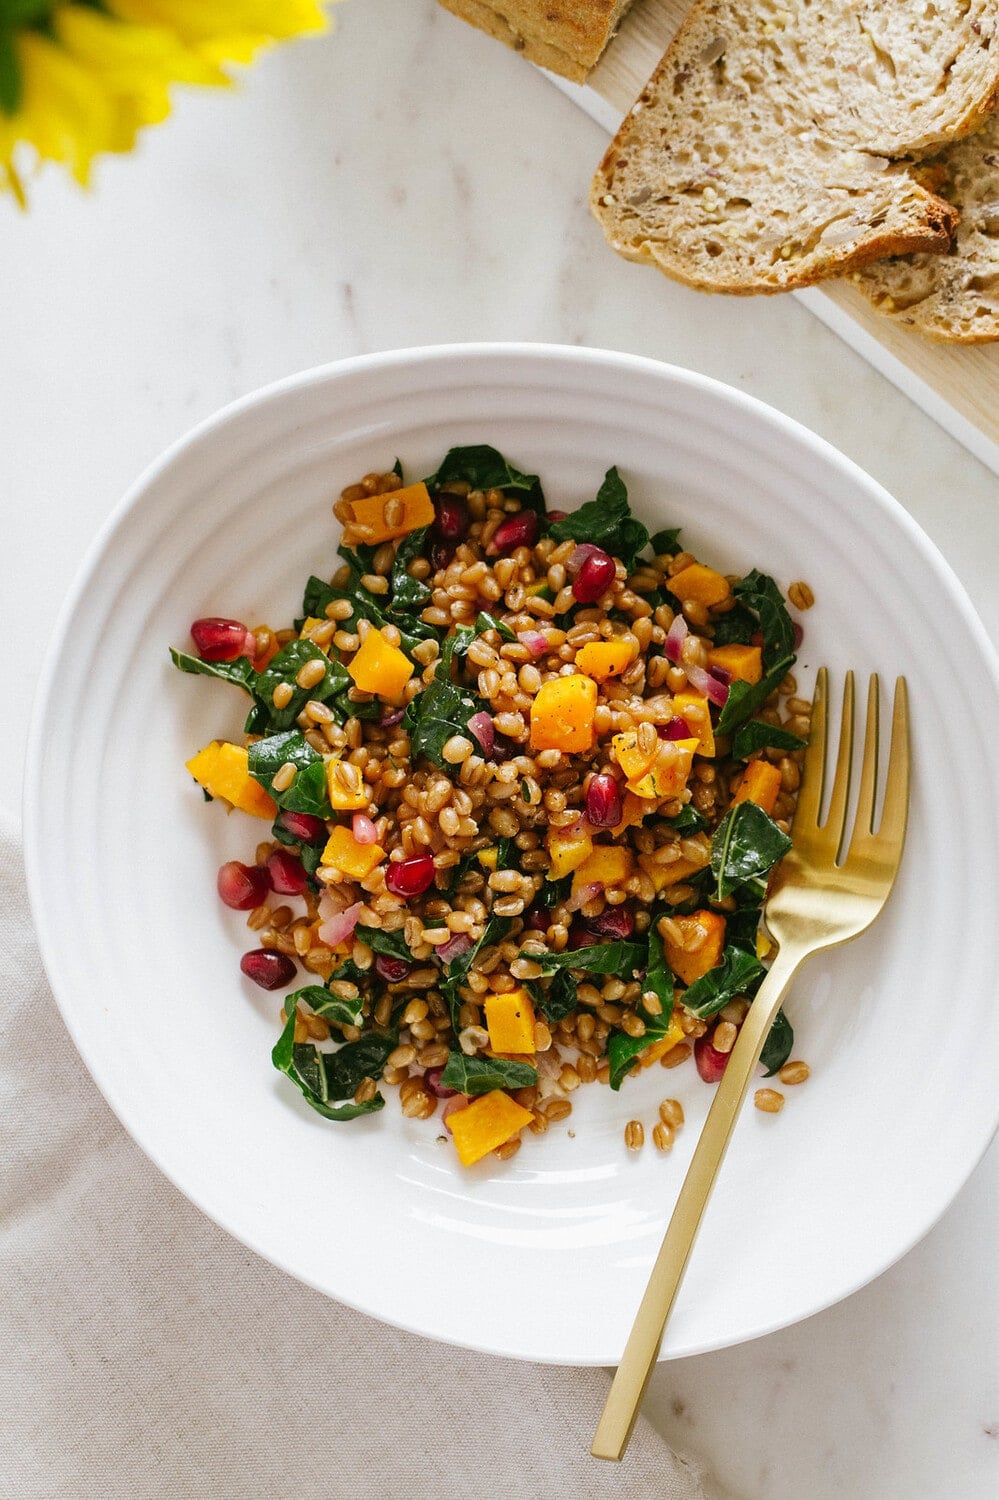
pixel 363 829
pixel 722 674
pixel 535 642
pixel 703 682
pixel 338 926
pixel 389 721
pixel 482 727
pixel 432 1081
pixel 613 922
pixel 676 729
pixel 454 947
pixel 673 647
pixel 577 558
pixel 459 1101
pixel 585 893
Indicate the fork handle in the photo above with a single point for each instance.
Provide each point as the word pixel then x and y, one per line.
pixel 638 1360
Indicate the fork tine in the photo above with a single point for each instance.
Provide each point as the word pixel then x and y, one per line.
pixel 864 823
pixel 893 818
pixel 813 771
pixel 834 823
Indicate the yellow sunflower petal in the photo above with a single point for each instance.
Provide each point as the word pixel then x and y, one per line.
pixel 242 24
pixel 63 116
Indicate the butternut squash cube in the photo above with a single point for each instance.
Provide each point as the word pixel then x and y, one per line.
pixel 633 761
pixel 667 775
pixel 672 874
pixel 603 659
pixel 699 583
pixel 609 864
pixel 488 1122
pixel 345 787
pixel 487 857
pixel 510 1022
pixel 744 662
pixel 696 713
pixel 562 714
pixel 760 784
pixel 379 667
pixel 664 1044
pixel 635 809
pixel 344 853
pixel 223 770
pixel 411 506
pixel 689 965
pixel 567 852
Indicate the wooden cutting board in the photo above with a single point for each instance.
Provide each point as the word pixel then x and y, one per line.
pixel 958 387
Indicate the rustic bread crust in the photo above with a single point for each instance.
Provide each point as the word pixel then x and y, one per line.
pixel 565 36
pixel 723 176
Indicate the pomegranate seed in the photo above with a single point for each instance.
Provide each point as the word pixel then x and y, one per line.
pixel 579 936
pixel 439 553
pixel 676 729
pixel 392 970
pixel 452 517
pixel 594 577
pixel 615 922
pixel 711 1063
pixel 268 968
pixel 521 530
pixel 603 802
pixel 223 640
pixel 537 919
pixel 432 1079
pixel 798 633
pixel 286 873
pixel 410 877
pixel 557 515
pixel 302 826
pixel 242 886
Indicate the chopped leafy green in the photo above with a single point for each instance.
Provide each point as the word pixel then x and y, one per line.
pixel 558 1000
pixel 687 820
pixel 442 709
pixel 324 1077
pixel 744 698
pixel 739 973
pixel 485 621
pixel 659 975
pixel 777 1047
pixel 758 592
pixel 620 957
pixel 485 469
pixel 622 1049
pixel 364 605
pixel 323 1003
pixel 406 592
pixel 736 627
pixel 606 521
pixel 758 735
pixel 742 925
pixel 284 668
pixel 554 892
pixel 666 541
pixel 480 1075
pixel 307 793
pixel 239 672
pixel 459 967
pixel 745 847
pixel 391 944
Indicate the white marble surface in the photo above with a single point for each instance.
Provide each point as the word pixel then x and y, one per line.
pixel 404 182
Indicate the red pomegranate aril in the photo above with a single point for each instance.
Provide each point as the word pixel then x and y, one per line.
pixel 798 633
pixel 242 886
pixel 554 516
pixel 604 808
pixel 286 873
pixel 392 970
pixel 614 922
pixel 676 729
pixel 711 1063
pixel 594 577
pixel 304 827
pixel 223 640
pixel 521 530
pixel 268 968
pixel 432 1080
pixel 452 517
pixel 410 877
pixel 537 919
pixel 580 936
pixel 439 553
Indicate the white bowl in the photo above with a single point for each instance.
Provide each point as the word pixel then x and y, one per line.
pixel 544 1258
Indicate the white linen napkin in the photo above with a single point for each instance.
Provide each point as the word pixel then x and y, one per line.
pixel 144 1353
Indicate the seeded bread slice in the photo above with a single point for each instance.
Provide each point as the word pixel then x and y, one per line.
pixel 954 297
pixel 565 36
pixel 722 177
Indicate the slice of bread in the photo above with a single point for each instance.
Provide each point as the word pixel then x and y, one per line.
pixel 758 157
pixel 564 36
pixel 956 296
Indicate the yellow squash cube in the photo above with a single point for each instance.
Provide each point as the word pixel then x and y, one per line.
pixel 690 965
pixel 665 1044
pixel 744 662
pixel 345 787
pixel 633 761
pixel 223 770
pixel 699 583
pixel 379 667
pixel 510 1021
pixel 410 508
pixel 608 865
pixel 344 853
pixel 567 852
pixel 488 1122
pixel 667 775
pixel 696 714
pixel 761 783
pixel 603 659
pixel 562 714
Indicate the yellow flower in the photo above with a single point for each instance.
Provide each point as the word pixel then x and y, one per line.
pixel 89 79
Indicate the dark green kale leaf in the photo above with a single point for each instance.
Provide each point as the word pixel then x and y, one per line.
pixel 324 1077
pixel 559 1000
pixel 391 944
pixel 284 668
pixel 687 820
pixel 667 541
pixel 239 672
pixel 777 1047
pixel 307 793
pixel 758 592
pixel 442 709
pixel 407 594
pixel 485 621
pixel 481 1075
pixel 622 1049
pixel 484 468
pixel 621 957
pixel 744 848
pixel 607 522
pixel 735 628
pixel 758 735
pixel 460 966
pixel 744 698
pixel 323 1003
pixel 739 973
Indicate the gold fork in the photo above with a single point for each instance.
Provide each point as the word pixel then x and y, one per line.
pixel 817 900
